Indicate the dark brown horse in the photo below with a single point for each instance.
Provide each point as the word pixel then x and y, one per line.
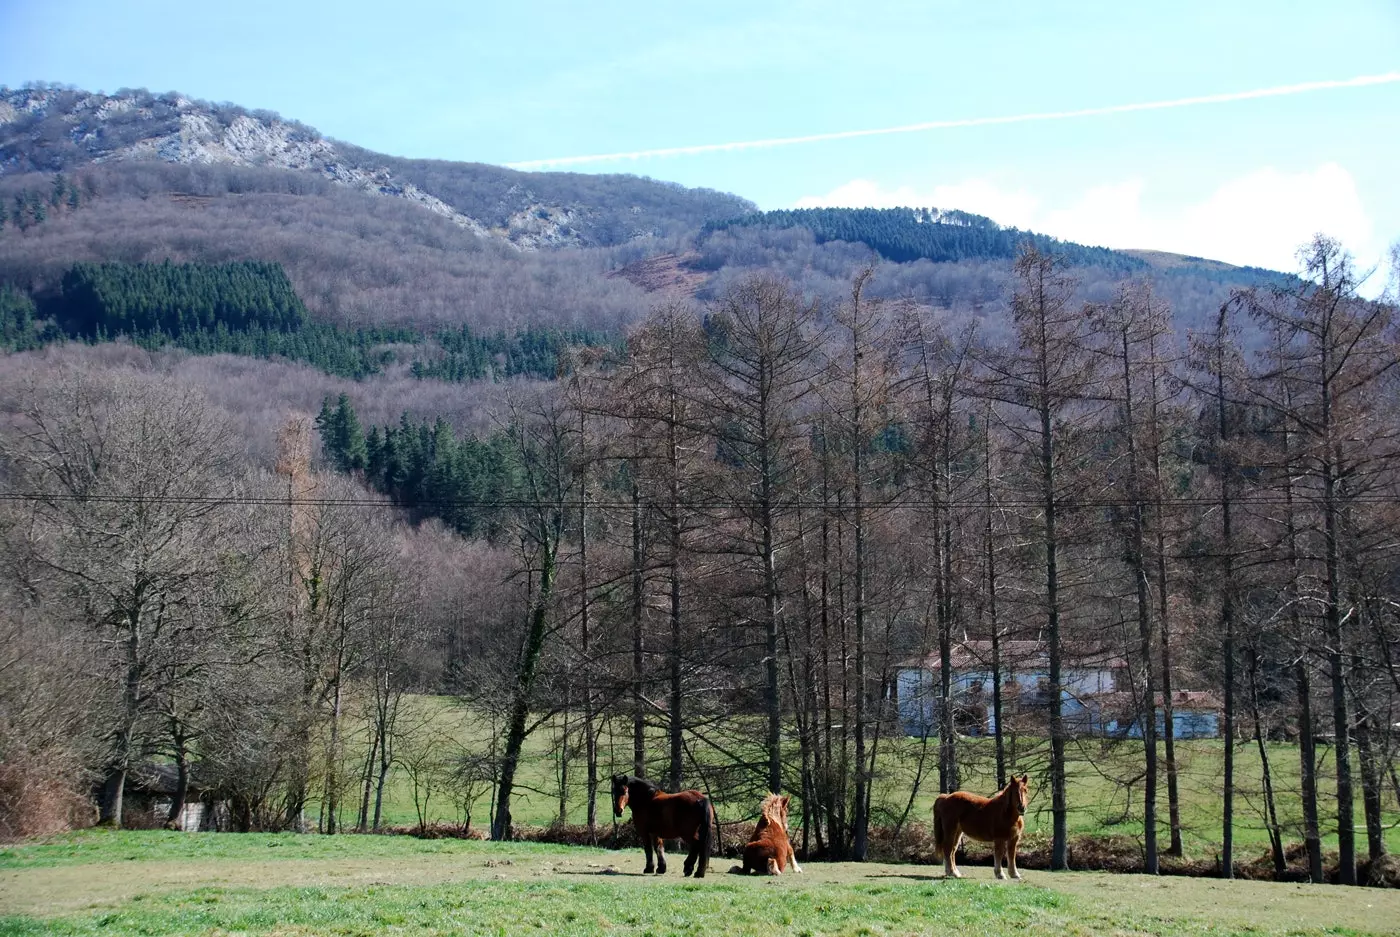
pixel 659 816
pixel 997 820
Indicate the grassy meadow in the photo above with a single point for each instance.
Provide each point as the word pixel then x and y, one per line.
pixel 1100 803
pixel 159 883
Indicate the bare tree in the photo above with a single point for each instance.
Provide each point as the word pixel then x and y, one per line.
pixel 128 478
pixel 1335 350
pixel 762 342
pixel 1047 374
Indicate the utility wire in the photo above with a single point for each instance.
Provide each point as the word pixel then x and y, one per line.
pixel 712 504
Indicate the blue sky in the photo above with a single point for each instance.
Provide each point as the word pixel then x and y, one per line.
pixel 526 80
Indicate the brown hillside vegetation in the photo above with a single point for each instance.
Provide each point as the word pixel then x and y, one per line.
pixel 669 273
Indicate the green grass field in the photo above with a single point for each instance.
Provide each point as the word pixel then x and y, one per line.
pixel 157 883
pixel 1099 804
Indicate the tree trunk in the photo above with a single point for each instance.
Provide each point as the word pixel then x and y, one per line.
pixel 124 740
pixel 1372 779
pixel 677 718
pixel 989 549
pixel 1227 605
pixel 1270 806
pixel 1059 808
pixel 639 725
pixel 367 777
pixel 1164 616
pixel 525 681
pixel 1144 615
pixel 1307 751
pixel 333 765
pixel 1168 706
pixel 590 738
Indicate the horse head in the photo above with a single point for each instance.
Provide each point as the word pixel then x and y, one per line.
pixel 619 793
pixel 1021 794
pixel 775 809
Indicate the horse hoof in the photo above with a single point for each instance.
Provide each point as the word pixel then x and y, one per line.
pixel 1017 876
pixel 699 874
pixel 999 875
pixel 796 867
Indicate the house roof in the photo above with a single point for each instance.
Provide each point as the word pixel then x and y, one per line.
pixel 154 778
pixel 1015 655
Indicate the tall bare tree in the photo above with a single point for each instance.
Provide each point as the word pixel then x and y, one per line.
pixel 1047 374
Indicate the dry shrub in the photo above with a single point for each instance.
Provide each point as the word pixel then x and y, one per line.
pixel 39 797
pixel 433 831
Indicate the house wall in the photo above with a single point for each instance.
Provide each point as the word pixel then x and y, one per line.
pixel 1186 724
pixel 918 690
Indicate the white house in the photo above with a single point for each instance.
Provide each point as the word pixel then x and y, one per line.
pixel 1085 679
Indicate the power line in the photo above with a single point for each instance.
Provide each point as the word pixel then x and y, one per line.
pixel 701 504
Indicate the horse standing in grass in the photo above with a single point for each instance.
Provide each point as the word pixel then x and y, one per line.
pixel 770 850
pixel 659 816
pixel 998 820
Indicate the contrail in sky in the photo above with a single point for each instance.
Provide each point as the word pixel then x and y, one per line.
pixel 1281 91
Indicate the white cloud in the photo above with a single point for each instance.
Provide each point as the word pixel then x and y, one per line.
pixel 1260 218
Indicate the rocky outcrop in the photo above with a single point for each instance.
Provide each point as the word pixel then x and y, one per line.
pixel 186 131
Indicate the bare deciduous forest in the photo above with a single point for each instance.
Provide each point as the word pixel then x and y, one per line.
pixel 733 543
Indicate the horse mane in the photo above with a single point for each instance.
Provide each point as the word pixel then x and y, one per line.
pixel 642 782
pixel 771 810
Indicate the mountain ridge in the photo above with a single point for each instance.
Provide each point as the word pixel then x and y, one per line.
pixel 48 129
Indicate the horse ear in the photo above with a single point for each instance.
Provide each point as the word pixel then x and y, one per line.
pixel 786 800
pixel 1025 778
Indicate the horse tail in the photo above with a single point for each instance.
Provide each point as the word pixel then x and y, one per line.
pixel 706 835
pixel 938 828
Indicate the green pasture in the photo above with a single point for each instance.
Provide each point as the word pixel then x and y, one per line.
pixel 158 883
pixel 1100 802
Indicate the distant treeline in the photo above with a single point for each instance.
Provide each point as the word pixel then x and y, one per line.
pixel 905 234
pixel 426 466
pixel 250 308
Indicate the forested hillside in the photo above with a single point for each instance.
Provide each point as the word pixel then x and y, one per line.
pixel 904 234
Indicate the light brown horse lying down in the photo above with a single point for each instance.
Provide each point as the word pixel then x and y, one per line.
pixel 997 820
pixel 770 850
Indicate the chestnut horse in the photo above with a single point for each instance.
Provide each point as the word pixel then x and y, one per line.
pixel 998 820
pixel 659 816
pixel 770 850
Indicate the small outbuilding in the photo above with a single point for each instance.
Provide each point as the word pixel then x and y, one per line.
pixel 150 791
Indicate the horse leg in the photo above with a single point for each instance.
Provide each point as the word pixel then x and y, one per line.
pixel 693 856
pixel 647 840
pixel 950 852
pixel 660 856
pixel 998 852
pixel 1011 845
pixel 792 859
